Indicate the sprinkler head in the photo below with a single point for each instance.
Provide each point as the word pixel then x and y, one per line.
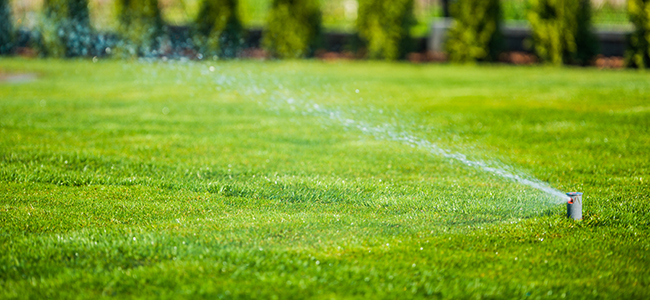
pixel 574 205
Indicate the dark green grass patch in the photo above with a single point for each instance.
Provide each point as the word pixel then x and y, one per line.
pixel 298 180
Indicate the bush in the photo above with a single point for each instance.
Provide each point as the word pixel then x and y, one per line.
pixel 6 28
pixel 141 27
pixel 476 32
pixel 562 31
pixel 218 30
pixel 293 28
pixel 384 26
pixel 65 30
pixel 638 53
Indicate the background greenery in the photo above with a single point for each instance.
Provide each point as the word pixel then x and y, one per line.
pixel 384 27
pixel 638 53
pixel 562 31
pixel 218 28
pixel 241 179
pixel 6 28
pixel 140 27
pixel 65 30
pixel 293 28
pixel 476 32
pixel 335 14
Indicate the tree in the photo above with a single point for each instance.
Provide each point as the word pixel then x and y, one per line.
pixel 141 27
pixel 638 53
pixel 476 33
pixel 66 30
pixel 218 29
pixel 385 27
pixel 293 28
pixel 562 31
pixel 6 28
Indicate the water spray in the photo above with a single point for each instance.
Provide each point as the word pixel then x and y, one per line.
pixel 574 206
pixel 393 133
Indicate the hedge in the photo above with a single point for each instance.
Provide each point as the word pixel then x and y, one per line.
pixel 141 27
pixel 65 30
pixel 638 53
pixel 562 31
pixel 385 26
pixel 293 28
pixel 476 32
pixel 218 29
pixel 6 28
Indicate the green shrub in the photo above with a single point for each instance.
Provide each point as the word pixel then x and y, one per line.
pixel 218 29
pixel 638 53
pixel 293 28
pixel 6 28
pixel 476 32
pixel 562 31
pixel 65 29
pixel 141 27
pixel 384 26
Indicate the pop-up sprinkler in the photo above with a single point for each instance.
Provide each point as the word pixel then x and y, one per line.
pixel 574 206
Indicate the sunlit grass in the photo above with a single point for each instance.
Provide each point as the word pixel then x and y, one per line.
pixel 150 179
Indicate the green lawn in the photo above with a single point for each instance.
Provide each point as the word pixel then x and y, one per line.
pixel 278 180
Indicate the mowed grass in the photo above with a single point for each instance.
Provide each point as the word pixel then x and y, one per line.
pixel 244 179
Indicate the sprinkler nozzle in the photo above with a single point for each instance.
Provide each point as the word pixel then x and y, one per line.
pixel 574 205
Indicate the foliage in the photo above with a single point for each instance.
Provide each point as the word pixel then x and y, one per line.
pixel 139 181
pixel 293 28
pixel 218 29
pixel 385 27
pixel 638 53
pixel 141 27
pixel 476 32
pixel 6 28
pixel 562 31
pixel 65 28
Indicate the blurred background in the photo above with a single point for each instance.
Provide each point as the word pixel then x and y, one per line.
pixel 606 33
pixel 338 15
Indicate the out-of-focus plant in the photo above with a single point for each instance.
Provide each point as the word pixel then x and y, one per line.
pixel 293 28
pixel 476 32
pixel 65 29
pixel 140 27
pixel 6 28
pixel 385 27
pixel 638 53
pixel 562 31
pixel 218 29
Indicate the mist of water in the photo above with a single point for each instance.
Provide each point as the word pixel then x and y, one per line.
pixel 282 99
pixel 387 132
pixel 393 133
